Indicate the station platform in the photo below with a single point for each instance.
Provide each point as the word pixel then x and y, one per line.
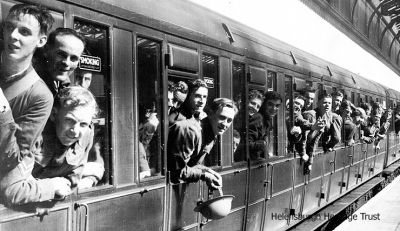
pixel 380 213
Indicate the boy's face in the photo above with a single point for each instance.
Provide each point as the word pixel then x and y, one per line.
pixel 64 56
pixel 71 123
pixel 21 37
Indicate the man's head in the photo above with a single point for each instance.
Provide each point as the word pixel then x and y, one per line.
pixel 298 103
pixel 198 93
pixel 376 117
pixel 272 103
pixel 25 29
pixel 63 51
pixel 180 94
pixel 236 139
pixel 309 95
pixel 376 108
pixel 256 99
pixel 222 112
pixel 337 98
pixel 359 115
pixel 346 108
pixel 74 108
pixel 367 108
pixel 324 103
pixel 83 79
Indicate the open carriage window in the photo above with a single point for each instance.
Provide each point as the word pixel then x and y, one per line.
pixel 210 66
pixel 273 132
pixel 93 72
pixel 149 107
pixel 239 130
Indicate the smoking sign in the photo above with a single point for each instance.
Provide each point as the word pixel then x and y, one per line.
pixel 90 63
pixel 209 82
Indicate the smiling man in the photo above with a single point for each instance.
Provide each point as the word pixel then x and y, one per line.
pixel 257 145
pixel 194 103
pixel 60 57
pixel 189 141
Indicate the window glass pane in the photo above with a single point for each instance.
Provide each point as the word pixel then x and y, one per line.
pixel 149 105
pixel 288 113
pixel 210 67
pixel 238 90
pixel 272 134
pixel 271 81
pixel 97 78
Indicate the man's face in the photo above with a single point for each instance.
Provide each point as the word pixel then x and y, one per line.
pixel 221 120
pixel 325 105
pixel 346 112
pixel 64 56
pixel 72 123
pixel 236 142
pixel 85 80
pixel 272 107
pixel 254 106
pixel 298 105
pixel 358 120
pixel 337 100
pixel 309 99
pixel 198 99
pixel 21 37
pixel 376 119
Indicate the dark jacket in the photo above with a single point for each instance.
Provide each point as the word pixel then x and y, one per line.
pixel 189 141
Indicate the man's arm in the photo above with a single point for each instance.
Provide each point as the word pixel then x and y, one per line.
pixel 335 132
pixel 18 142
pixel 184 141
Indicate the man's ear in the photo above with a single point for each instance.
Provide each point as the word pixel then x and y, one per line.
pixel 53 114
pixel 42 41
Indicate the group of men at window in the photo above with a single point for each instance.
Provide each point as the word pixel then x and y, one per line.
pixel 193 129
pixel 334 120
pixel 46 130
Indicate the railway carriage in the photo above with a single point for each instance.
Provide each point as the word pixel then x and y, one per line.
pixel 135 47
